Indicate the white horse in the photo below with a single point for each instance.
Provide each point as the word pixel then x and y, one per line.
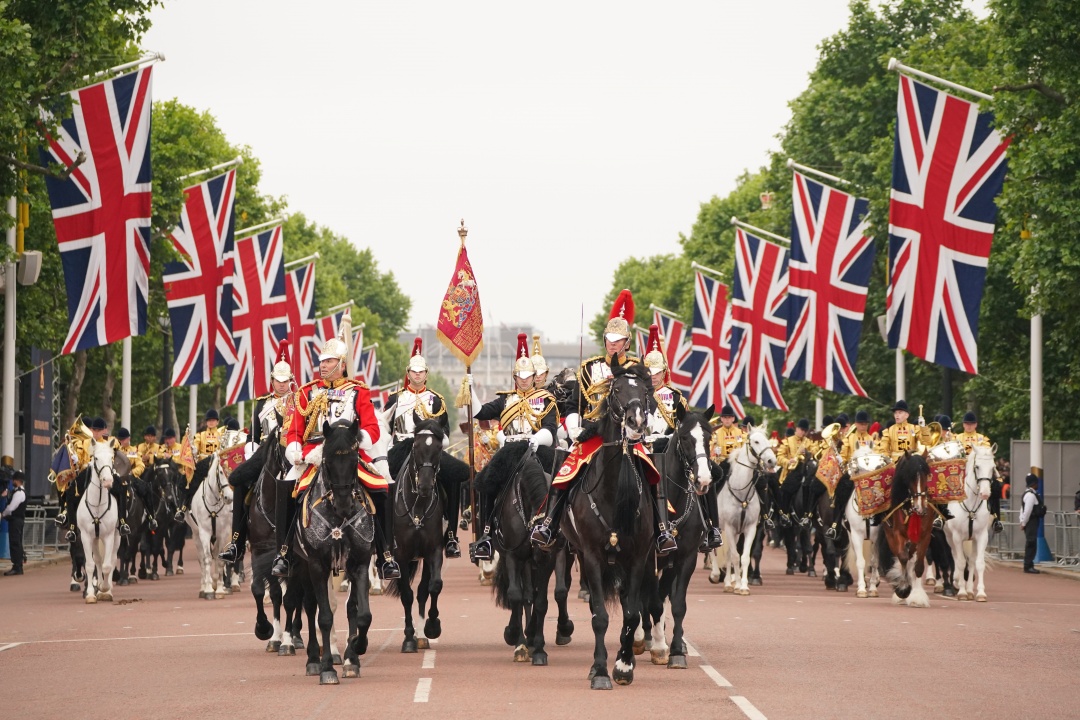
pixel 210 520
pixel 863 541
pixel 97 518
pixel 740 507
pixel 969 530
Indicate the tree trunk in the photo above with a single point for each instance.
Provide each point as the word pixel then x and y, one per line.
pixel 107 391
pixel 71 404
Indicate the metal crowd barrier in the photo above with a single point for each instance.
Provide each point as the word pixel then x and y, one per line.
pixel 1066 537
pixel 34 532
pixel 1009 544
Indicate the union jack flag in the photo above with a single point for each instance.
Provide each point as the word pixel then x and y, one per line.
pixel 325 328
pixel 641 341
pixel 369 366
pixel 709 353
pixel 758 318
pixel 831 261
pixel 356 351
pixel 260 316
pixel 677 349
pixel 101 211
pixel 948 166
pixel 300 291
pixel 198 289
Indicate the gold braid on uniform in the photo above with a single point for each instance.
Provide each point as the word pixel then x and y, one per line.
pixel 315 408
pixel 669 417
pixel 595 393
pixel 522 408
pixel 421 409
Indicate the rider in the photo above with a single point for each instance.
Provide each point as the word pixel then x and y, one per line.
pixel 208 441
pixel 332 397
pixel 540 366
pixel 971 437
pixel 793 450
pixel 415 403
pixel 526 414
pixel 148 448
pixel 272 412
pixel 593 377
pixel 123 437
pixel 901 437
pixel 170 449
pixel 858 437
pixel 727 436
pixel 69 471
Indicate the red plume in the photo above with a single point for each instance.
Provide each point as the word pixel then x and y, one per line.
pixel 654 340
pixel 623 307
pixel 791 423
pixel 283 352
pixel 417 347
pixel 875 427
pixel 522 346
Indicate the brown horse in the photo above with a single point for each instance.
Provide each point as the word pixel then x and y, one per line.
pixel 906 530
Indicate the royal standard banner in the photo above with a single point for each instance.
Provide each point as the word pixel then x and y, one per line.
pixel 461 322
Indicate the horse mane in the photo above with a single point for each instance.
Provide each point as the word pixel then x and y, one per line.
pixel 337 440
pixel 906 469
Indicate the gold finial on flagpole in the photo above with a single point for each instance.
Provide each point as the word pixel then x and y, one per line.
pixel 462 232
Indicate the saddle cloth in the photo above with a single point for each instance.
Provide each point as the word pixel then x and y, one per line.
pixel 947 480
pixel 872 490
pixel 583 452
pixel 368 478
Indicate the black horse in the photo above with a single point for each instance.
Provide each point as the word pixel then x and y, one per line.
pixel 796 513
pixel 686 474
pixel 152 542
pixel 334 533
pixel 138 522
pixel 832 532
pixel 516 481
pixel 610 510
pixel 418 525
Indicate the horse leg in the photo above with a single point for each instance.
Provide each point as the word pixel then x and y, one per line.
pixel 956 543
pixel 542 573
pixel 310 601
pixel 598 673
pixel 564 628
pixel 631 607
pixel 320 583
pixel 677 658
pixel 918 597
pixel 979 550
pixel 433 626
pixel 351 667
pixel 755 553
pixel 653 613
pixel 264 630
pixel 409 645
pixel 513 634
pixel 335 653
pixel 108 561
pixel 744 561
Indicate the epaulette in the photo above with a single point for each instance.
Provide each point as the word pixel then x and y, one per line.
pixel 309 383
pixel 540 392
pixel 267 396
pixel 506 392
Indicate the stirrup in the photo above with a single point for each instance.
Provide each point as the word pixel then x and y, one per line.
pixel 714 539
pixel 665 543
pixel 389 570
pixel 153 523
pixel 229 554
pixel 70 535
pixel 453 550
pixel 178 516
pixel 124 529
pixel 466 518
pixel 939 523
pixel 281 565
pixel 481 549
pixel 541 537
pixel 998 527
pixel 61 519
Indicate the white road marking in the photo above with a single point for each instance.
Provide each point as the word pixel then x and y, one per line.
pixel 161 637
pixel 423 689
pixel 429 660
pixel 691 650
pixel 9 646
pixel 717 678
pixel 748 708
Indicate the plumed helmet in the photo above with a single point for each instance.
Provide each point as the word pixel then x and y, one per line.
pixel 333 349
pixel 282 371
pixel 523 367
pixel 211 414
pixel 654 358
pixel 417 363
pixel 621 317
pixel 539 363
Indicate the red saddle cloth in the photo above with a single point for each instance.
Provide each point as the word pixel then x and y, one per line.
pixel 583 452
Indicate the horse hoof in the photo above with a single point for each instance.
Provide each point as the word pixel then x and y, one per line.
pixel 949 592
pixel 841 587
pixel 155 576
pixel 677 662
pixel 168 572
pixel 132 580
pixel 313 668
pixel 264 631
pixel 433 628
pixel 335 659
pixel 329 677
pixel 600 682
pixel 790 571
pixel 104 596
pixel 540 659
pixel 583 594
pixel 874 593
pixel 521 654
pixel 811 573
pixel 408 646
pixel 729 589
pixel 639 646
pixel 622 677
pixel 662 658
pixel 981 597
pixel 742 591
pixel 755 581
pixel 374 591
pixel 714 579
pixel 142 573
pixel 486 582
pixel 422 643
pixel 561 639
pixel 274 646
pixel 91 599
pixel 350 671
pixel 122 581
pixel 286 650
pixel 861 594
pixel 75 587
pixel 180 570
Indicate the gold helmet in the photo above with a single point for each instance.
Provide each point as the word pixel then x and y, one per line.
pixel 654 358
pixel 334 348
pixel 621 317
pixel 417 363
pixel 282 371
pixel 523 367
pixel 539 363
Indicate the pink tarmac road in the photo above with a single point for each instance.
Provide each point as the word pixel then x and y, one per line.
pixel 789 650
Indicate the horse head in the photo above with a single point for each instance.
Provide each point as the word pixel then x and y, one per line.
pixel 340 457
pixel 760 449
pixel 629 390
pixel 982 467
pixel 564 388
pixel 692 438
pixel 426 453
pixel 102 459
pixel 911 482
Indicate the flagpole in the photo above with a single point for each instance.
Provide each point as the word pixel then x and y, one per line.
pixel 462 233
pixel 248 232
pixel 811 171
pixel 296 263
pixel 193 406
pixel 7 422
pixel 238 160
pixel 747 226
pixel 125 384
pixel 147 58
pixel 342 306
pixel 899 67
pixel 654 306
pixel 707 270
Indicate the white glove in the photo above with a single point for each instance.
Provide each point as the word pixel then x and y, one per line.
pixel 294 453
pixel 364 440
pixel 574 432
pixel 315 456
pixel 562 434
pixel 475 405
pixel 541 437
pixel 501 437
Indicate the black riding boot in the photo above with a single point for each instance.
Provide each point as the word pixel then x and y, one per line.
pixel 239 524
pixel 466 508
pixel 761 484
pixel 71 513
pixel 939 521
pixel 189 494
pixel 62 501
pixel 994 504
pixel 450 514
pixel 282 526
pixel 121 509
pixel 543 534
pixel 713 537
pixel 665 540
pixel 482 549
pixel 384 521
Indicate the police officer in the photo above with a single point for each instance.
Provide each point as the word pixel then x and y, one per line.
pixel 971 437
pixel 415 403
pixel 273 411
pixel 208 441
pixel 1029 522
pixel 526 414
pixel 15 514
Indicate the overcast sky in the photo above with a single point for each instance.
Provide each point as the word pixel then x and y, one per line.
pixel 568 135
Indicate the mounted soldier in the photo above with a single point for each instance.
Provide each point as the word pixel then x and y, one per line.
pixel 272 414
pixel 414 403
pixel 69 471
pixel 148 448
pixel 857 436
pixel 904 437
pixel 208 441
pixel 169 449
pixel 794 450
pixel 593 376
pixel 123 438
pixel 540 366
pixel 972 438
pixel 527 415
pixel 330 399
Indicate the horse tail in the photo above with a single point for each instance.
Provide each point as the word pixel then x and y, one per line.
pixel 500 586
pixel 408 574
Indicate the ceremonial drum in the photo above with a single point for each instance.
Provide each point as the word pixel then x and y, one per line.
pixel 947 480
pixel 828 472
pixel 872 476
pixel 950 450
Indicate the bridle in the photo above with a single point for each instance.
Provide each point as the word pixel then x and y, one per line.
pixel 99 472
pixel 412 487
